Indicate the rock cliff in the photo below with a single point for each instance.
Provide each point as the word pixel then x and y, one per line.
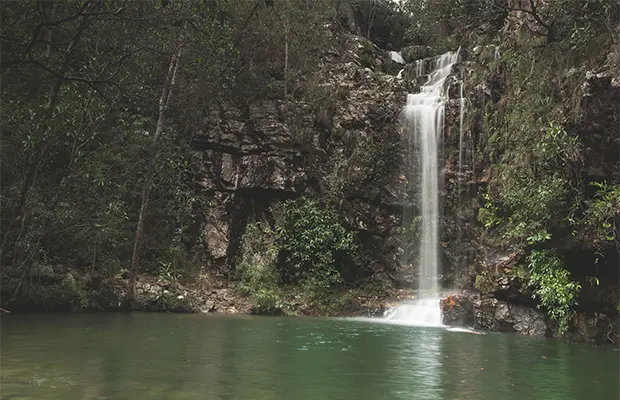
pixel 337 139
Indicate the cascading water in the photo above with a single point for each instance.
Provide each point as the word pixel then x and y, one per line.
pixel 424 124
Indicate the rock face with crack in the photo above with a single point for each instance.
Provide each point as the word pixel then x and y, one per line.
pixel 340 141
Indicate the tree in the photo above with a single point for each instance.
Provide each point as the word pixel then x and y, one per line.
pixel 76 109
pixel 164 107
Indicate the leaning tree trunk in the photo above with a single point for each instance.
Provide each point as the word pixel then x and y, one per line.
pixel 164 104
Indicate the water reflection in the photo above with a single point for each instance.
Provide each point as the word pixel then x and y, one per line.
pixel 419 366
pixel 199 357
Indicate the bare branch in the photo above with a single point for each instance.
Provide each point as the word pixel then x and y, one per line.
pixel 81 13
pixel 532 11
pixel 245 24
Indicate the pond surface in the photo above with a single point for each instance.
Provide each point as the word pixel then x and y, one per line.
pixel 169 356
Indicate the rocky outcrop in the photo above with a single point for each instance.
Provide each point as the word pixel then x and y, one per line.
pixel 594 328
pixel 338 139
pixel 412 53
pixel 495 315
pixel 457 311
pixel 475 258
pixel 490 314
pixel 598 124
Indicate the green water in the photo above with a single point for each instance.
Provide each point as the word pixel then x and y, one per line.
pixel 160 356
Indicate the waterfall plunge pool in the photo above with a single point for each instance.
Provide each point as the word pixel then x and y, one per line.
pixel 180 356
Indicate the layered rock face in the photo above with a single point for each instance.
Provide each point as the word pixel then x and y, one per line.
pixel 491 314
pixel 507 304
pixel 338 140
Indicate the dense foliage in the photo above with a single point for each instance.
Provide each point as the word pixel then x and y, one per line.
pixel 553 286
pixel 313 240
pixel 306 248
pixel 535 150
pixel 258 269
pixel 102 100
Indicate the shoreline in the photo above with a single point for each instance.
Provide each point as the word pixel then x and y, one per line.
pixel 215 295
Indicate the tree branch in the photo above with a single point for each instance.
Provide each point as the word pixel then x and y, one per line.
pixel 245 24
pixel 533 11
pixel 81 13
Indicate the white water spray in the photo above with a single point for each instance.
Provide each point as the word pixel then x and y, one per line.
pixel 424 123
pixel 396 57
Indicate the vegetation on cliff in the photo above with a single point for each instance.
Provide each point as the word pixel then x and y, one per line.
pixel 254 141
pixel 102 102
pixel 546 181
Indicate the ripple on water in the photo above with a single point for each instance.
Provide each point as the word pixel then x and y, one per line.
pixel 239 359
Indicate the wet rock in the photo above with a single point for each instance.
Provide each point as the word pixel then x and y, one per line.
pixel 392 67
pixel 486 53
pixel 594 328
pixel 457 311
pixel 417 71
pixel 416 52
pixel 109 296
pixel 256 310
pixel 494 315
pixel 527 321
pixel 209 306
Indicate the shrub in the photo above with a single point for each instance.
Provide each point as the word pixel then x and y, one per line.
pixel 60 296
pixel 485 283
pixel 258 269
pixel 383 22
pixel 603 213
pixel 553 287
pixel 312 238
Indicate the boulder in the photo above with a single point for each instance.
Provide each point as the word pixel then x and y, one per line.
pixel 416 52
pixel 495 315
pixel 457 311
pixel 208 306
pixel 68 280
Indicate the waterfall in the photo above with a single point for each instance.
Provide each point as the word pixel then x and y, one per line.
pixel 424 124
pixel 396 57
pixel 419 69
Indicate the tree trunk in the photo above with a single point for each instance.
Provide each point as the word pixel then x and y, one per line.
pixel 285 60
pixel 164 103
pixel 286 37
